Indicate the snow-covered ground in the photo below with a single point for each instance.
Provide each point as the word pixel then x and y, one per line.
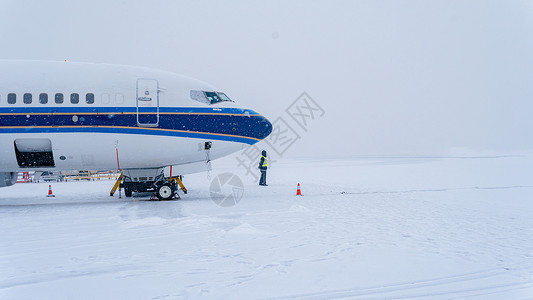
pixel 365 228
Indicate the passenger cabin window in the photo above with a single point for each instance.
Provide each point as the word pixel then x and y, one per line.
pixel 27 98
pixel 74 98
pixel 106 99
pixel 11 98
pixel 119 98
pixel 89 98
pixel 59 98
pixel 43 98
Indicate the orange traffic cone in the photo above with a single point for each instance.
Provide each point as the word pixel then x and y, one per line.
pixel 298 191
pixel 50 194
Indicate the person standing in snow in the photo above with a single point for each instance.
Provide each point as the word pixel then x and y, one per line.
pixel 263 168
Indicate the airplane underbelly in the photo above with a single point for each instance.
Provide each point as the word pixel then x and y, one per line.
pixel 97 151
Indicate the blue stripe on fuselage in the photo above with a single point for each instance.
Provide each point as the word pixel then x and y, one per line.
pixel 229 124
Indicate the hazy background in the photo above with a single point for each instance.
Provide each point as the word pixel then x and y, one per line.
pixel 394 77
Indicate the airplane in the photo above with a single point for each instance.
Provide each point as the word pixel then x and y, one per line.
pixel 58 116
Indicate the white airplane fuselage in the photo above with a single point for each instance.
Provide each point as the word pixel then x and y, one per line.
pixel 81 116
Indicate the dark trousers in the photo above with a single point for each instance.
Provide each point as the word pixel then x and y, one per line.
pixel 263 180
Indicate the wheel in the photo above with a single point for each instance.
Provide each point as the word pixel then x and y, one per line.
pixel 128 192
pixel 165 192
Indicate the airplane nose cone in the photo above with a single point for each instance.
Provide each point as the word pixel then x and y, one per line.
pixel 264 127
pixel 251 126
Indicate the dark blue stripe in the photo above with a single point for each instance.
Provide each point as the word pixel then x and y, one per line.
pixel 232 123
pixel 133 130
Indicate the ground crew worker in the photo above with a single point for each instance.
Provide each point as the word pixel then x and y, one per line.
pixel 263 168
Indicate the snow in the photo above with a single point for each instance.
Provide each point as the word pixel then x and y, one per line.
pixel 368 228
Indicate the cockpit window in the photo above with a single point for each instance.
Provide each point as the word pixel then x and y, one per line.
pixel 209 97
pixel 224 97
pixel 212 97
pixel 199 96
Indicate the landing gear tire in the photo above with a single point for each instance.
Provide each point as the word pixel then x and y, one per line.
pixel 165 192
pixel 128 192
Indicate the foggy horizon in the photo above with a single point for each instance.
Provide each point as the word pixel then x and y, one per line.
pixel 393 77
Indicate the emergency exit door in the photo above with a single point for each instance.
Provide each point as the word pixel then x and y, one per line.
pixel 147 102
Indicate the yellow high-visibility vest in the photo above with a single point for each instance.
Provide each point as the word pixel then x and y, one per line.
pixel 264 161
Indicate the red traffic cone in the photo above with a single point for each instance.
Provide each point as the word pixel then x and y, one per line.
pixel 298 191
pixel 50 194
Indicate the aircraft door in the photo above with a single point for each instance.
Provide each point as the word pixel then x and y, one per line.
pixel 147 103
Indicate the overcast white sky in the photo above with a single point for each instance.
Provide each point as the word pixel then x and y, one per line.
pixel 394 77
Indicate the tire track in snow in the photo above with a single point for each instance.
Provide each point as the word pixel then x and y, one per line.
pixel 49 277
pixel 440 190
pixel 437 287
